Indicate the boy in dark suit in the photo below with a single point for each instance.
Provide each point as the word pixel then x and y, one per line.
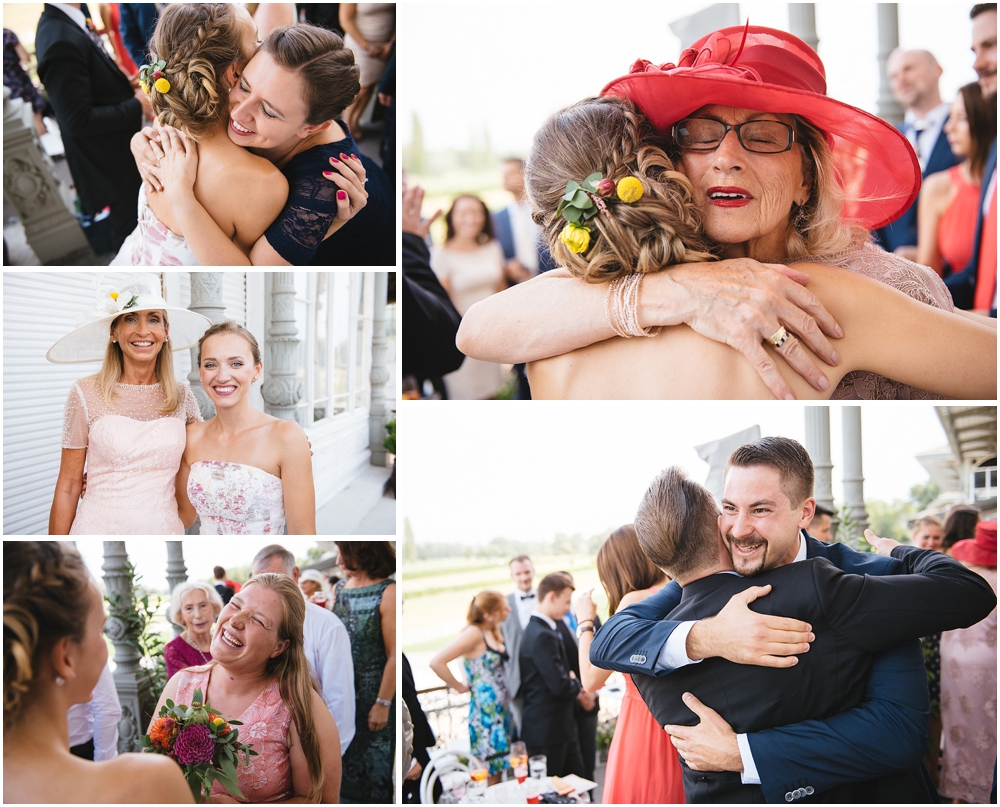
pixel 548 686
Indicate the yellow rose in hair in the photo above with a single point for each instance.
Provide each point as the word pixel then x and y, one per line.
pixel 162 85
pixel 144 86
pixel 575 237
pixel 629 190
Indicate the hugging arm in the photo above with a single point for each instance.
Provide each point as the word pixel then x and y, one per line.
pixel 738 302
pixel 185 509
pixel 378 715
pixel 297 488
pixel 67 492
pixel 638 631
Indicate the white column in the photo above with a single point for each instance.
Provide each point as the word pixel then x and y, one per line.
pixel 282 390
pixel 176 570
pixel 854 481
pixel 818 446
pixel 30 184
pixel 119 587
pixel 380 371
pixel 802 23
pixel 888 40
pixel 206 299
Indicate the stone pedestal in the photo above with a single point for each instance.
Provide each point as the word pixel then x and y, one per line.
pixel 119 584
pixel 854 480
pixel 818 446
pixel 282 390
pixel 888 40
pixel 31 186
pixel 380 372
pixel 176 571
pixel 802 23
pixel 206 299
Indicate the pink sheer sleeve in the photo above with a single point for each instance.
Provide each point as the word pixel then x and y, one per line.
pixel 76 425
pixel 192 414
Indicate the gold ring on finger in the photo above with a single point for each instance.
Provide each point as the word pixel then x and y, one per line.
pixel 779 337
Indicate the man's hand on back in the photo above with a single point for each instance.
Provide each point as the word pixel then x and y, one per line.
pixel 745 637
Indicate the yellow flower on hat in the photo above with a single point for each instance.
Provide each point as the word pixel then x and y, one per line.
pixel 575 237
pixel 114 296
pixel 162 85
pixel 629 190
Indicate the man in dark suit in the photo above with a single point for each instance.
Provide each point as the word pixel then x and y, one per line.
pixel 522 602
pixel 883 736
pixel 851 616
pixel 423 738
pixel 913 76
pixel 138 22
pixel 548 686
pixel 98 112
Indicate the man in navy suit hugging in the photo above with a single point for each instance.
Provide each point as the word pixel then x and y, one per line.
pixel 876 747
pixel 914 75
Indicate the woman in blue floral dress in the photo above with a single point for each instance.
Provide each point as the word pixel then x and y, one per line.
pixel 480 644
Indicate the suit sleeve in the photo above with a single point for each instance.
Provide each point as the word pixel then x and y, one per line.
pixel 639 631
pixel 431 319
pixel 555 675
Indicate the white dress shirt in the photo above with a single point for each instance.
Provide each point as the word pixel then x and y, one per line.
pixel 526 603
pixel 74 14
pixel 550 622
pixel 923 131
pixel 328 649
pixel 97 719
pixel 525 235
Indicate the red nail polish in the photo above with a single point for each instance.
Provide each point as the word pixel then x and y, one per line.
pixel 334 160
pixel 343 156
pixel 356 157
pixel 342 195
pixel 328 173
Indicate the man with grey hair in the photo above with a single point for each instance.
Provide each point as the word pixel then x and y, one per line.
pixel 326 643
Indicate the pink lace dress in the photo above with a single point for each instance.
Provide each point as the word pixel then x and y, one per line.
pixel 268 777
pixel 236 499
pixel 133 454
pixel 914 280
pixel 151 243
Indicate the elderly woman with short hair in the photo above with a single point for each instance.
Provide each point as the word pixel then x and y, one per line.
pixel 195 606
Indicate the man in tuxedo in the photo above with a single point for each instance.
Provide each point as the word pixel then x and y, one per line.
pixel 851 616
pixel 522 603
pixel 914 76
pixel 976 285
pixel 98 111
pixel 588 705
pixel 819 527
pixel 549 688
pixel 886 734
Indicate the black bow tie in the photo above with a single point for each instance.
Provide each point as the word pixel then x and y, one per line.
pixel 527 596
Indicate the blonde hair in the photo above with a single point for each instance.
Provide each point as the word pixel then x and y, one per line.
pixel 612 136
pixel 44 590
pixel 198 42
pixel 486 602
pixel 114 365
pixel 182 590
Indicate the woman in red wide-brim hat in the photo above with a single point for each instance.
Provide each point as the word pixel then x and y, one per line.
pixel 775 172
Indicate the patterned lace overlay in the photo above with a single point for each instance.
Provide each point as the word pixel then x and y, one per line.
pixel 265 726
pixel 236 499
pixel 133 453
pixel 912 279
pixel 152 243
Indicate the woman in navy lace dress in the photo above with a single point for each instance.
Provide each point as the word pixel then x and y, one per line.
pixel 285 107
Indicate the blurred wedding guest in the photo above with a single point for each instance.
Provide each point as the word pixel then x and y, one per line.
pixel 268 16
pixel 470 266
pixel 326 645
pixel 481 647
pixel 522 603
pixel 316 589
pixel 387 98
pixel 959 525
pixel 325 15
pixel 432 322
pixel 54 654
pixel 366 602
pixel 548 685
pixel 98 111
pixel 969 686
pixel 643 766
pixel 17 80
pixel 138 21
pixel 194 606
pixel 819 527
pixel 949 199
pixel 927 533
pixel 93 726
pixel 226 588
pixel 913 78
pixel 423 737
pixel 370 31
pixel 111 18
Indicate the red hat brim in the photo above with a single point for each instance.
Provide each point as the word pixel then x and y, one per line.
pixel 875 164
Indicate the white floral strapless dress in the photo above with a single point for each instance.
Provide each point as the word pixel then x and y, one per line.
pixel 236 499
pixel 151 243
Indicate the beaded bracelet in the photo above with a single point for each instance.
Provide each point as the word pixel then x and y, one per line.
pixel 621 305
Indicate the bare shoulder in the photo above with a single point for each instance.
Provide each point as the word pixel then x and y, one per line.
pixel 146 777
pixel 938 184
pixel 288 432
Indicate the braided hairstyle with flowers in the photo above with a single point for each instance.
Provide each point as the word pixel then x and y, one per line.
pixel 44 587
pixel 612 137
pixel 197 43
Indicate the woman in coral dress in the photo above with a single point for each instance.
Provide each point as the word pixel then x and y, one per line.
pixel 125 425
pixel 643 765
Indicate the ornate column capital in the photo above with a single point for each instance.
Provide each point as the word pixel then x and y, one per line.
pixel 379 376
pixel 206 299
pixel 283 389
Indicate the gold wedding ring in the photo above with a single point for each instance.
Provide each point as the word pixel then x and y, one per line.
pixel 779 337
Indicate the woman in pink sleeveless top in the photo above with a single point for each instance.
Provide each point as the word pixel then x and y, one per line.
pixel 949 202
pixel 259 676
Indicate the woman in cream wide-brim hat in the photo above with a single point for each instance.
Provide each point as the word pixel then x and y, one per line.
pixel 126 424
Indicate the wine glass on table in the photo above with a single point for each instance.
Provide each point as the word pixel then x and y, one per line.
pixel 478 774
pixel 519 760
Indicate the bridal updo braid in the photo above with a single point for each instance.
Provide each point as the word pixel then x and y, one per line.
pixel 44 599
pixel 610 135
pixel 198 42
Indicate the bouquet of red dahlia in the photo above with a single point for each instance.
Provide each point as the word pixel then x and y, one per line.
pixel 202 742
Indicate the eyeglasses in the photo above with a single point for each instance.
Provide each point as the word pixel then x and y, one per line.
pixel 758 136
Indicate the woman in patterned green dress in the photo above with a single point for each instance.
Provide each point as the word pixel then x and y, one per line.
pixel 480 644
pixel 366 604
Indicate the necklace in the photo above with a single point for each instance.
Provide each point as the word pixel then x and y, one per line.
pixel 187 638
